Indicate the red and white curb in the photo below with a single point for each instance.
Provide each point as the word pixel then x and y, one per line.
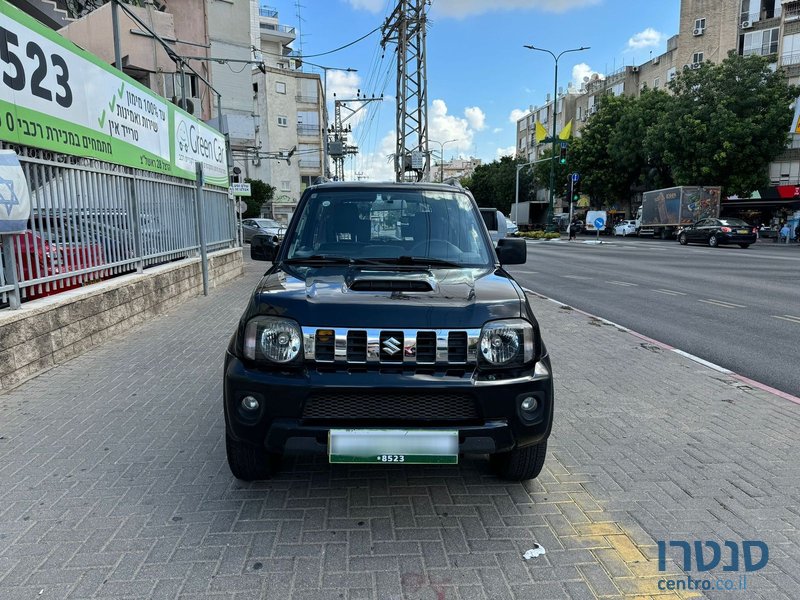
pixel 746 380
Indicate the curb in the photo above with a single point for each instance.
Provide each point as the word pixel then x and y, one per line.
pixel 746 380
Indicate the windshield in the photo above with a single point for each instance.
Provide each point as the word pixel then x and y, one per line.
pixel 389 225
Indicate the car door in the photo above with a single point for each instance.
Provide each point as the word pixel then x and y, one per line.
pixel 694 232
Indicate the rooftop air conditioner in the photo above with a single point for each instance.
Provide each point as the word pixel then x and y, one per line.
pixel 634 69
pixel 656 60
pixel 687 66
pixel 698 32
pixel 747 24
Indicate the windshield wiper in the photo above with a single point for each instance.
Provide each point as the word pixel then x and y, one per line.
pixel 329 259
pixel 420 260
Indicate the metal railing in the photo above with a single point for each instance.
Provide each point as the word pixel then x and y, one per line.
pixel 92 220
pixel 268 11
pixel 790 58
pixel 306 99
pixel 281 28
pixel 308 130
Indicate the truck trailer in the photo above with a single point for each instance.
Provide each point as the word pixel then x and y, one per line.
pixel 664 212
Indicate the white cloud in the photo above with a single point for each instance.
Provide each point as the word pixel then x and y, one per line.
pixel 645 39
pixel 378 165
pixel 497 130
pixel 373 6
pixel 475 117
pixel 465 8
pixel 516 115
pixel 509 151
pixel 580 72
pixel 443 127
pixel 344 84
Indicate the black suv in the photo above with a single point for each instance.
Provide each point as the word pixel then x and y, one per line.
pixel 387 331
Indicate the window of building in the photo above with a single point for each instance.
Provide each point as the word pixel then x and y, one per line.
pixel 671 74
pixel 750 11
pixel 697 58
pixel 280 87
pixel 286 185
pixel 761 43
pixel 618 89
pixel 791 49
pixel 283 121
pixel 700 24
pixel 656 83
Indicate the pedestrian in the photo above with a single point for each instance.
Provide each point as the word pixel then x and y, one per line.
pixel 573 229
pixel 785 232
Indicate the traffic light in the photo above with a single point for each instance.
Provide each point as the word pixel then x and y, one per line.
pixel 563 156
pixel 576 190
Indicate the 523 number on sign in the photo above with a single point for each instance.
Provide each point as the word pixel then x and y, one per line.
pixel 16 79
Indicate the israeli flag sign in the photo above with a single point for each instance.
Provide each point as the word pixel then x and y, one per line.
pixel 15 199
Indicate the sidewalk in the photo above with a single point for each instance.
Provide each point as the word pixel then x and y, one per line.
pixel 113 483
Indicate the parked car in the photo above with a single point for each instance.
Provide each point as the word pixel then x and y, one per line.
pixel 496 223
pixel 264 246
pixel 625 228
pixel 715 232
pixel 388 350
pixel 251 227
pixel 511 227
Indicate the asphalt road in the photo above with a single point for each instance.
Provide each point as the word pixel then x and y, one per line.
pixel 738 308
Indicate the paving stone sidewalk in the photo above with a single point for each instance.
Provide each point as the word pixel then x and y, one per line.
pixel 113 483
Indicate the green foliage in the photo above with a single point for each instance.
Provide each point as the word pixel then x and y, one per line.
pixel 538 235
pixel 262 193
pixel 726 123
pixel 493 184
pixel 721 125
pixel 541 171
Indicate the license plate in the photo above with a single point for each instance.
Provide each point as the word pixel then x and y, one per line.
pixel 378 446
pixel 744 231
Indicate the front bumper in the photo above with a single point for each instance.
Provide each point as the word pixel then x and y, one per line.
pixel 279 424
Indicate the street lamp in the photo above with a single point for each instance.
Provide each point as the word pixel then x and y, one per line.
pixel 553 139
pixel 441 156
pixel 325 109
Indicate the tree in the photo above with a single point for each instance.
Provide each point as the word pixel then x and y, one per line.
pixel 726 124
pixel 493 184
pixel 541 172
pixel 261 194
pixel 636 152
pixel 601 176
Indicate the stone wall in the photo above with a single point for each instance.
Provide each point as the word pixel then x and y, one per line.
pixel 52 330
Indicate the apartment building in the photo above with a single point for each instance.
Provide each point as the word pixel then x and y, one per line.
pixel 708 31
pixel 291 113
pixel 455 168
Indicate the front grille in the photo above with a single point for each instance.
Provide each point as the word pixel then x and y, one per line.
pixel 399 347
pixel 393 406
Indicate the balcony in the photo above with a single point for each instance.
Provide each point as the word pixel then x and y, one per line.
pixel 306 99
pixel 790 58
pixel 268 11
pixel 308 131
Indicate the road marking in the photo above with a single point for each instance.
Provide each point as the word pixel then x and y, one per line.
pixel 573 277
pixel 722 303
pixel 623 283
pixel 669 292
pixel 529 272
pixel 789 318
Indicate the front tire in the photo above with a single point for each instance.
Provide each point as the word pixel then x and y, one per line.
pixel 248 462
pixel 519 464
pixel 682 240
pixel 713 241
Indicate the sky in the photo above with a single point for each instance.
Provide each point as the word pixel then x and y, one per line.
pixel 480 77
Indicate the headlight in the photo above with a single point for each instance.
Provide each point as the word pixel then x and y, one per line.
pixel 507 342
pixel 272 338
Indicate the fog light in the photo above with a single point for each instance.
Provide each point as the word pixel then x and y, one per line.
pixel 249 403
pixel 529 404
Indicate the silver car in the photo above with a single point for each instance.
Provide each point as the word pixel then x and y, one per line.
pixel 251 227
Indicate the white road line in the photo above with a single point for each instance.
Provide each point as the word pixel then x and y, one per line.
pixel 722 304
pixel 669 292
pixel 573 277
pixel 528 272
pixel 705 363
pixel 623 283
pixel 789 318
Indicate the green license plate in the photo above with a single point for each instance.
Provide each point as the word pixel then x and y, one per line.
pixel 379 446
pixel 744 231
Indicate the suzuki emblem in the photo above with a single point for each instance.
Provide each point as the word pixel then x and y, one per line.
pixel 391 346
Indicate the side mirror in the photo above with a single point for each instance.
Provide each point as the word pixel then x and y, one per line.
pixel 512 251
pixel 261 248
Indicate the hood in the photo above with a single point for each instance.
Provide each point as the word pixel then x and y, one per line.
pixel 341 296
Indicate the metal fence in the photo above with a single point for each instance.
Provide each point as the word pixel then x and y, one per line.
pixel 92 220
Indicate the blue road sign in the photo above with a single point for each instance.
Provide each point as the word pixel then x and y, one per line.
pixel 599 223
pixel 563 144
pixel 575 177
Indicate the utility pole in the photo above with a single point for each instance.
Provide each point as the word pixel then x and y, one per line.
pixel 406 27
pixel 337 138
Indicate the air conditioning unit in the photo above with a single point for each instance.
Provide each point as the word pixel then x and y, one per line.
pixel 695 65
pixel 634 69
pixel 592 109
pixel 687 66
pixel 747 24
pixel 698 32
pixel 193 105
pixel 656 60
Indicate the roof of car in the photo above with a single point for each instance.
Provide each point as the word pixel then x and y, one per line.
pixel 388 185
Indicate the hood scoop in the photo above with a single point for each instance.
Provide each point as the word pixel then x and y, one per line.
pixel 408 282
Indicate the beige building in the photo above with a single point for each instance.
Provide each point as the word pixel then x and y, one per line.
pixel 455 168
